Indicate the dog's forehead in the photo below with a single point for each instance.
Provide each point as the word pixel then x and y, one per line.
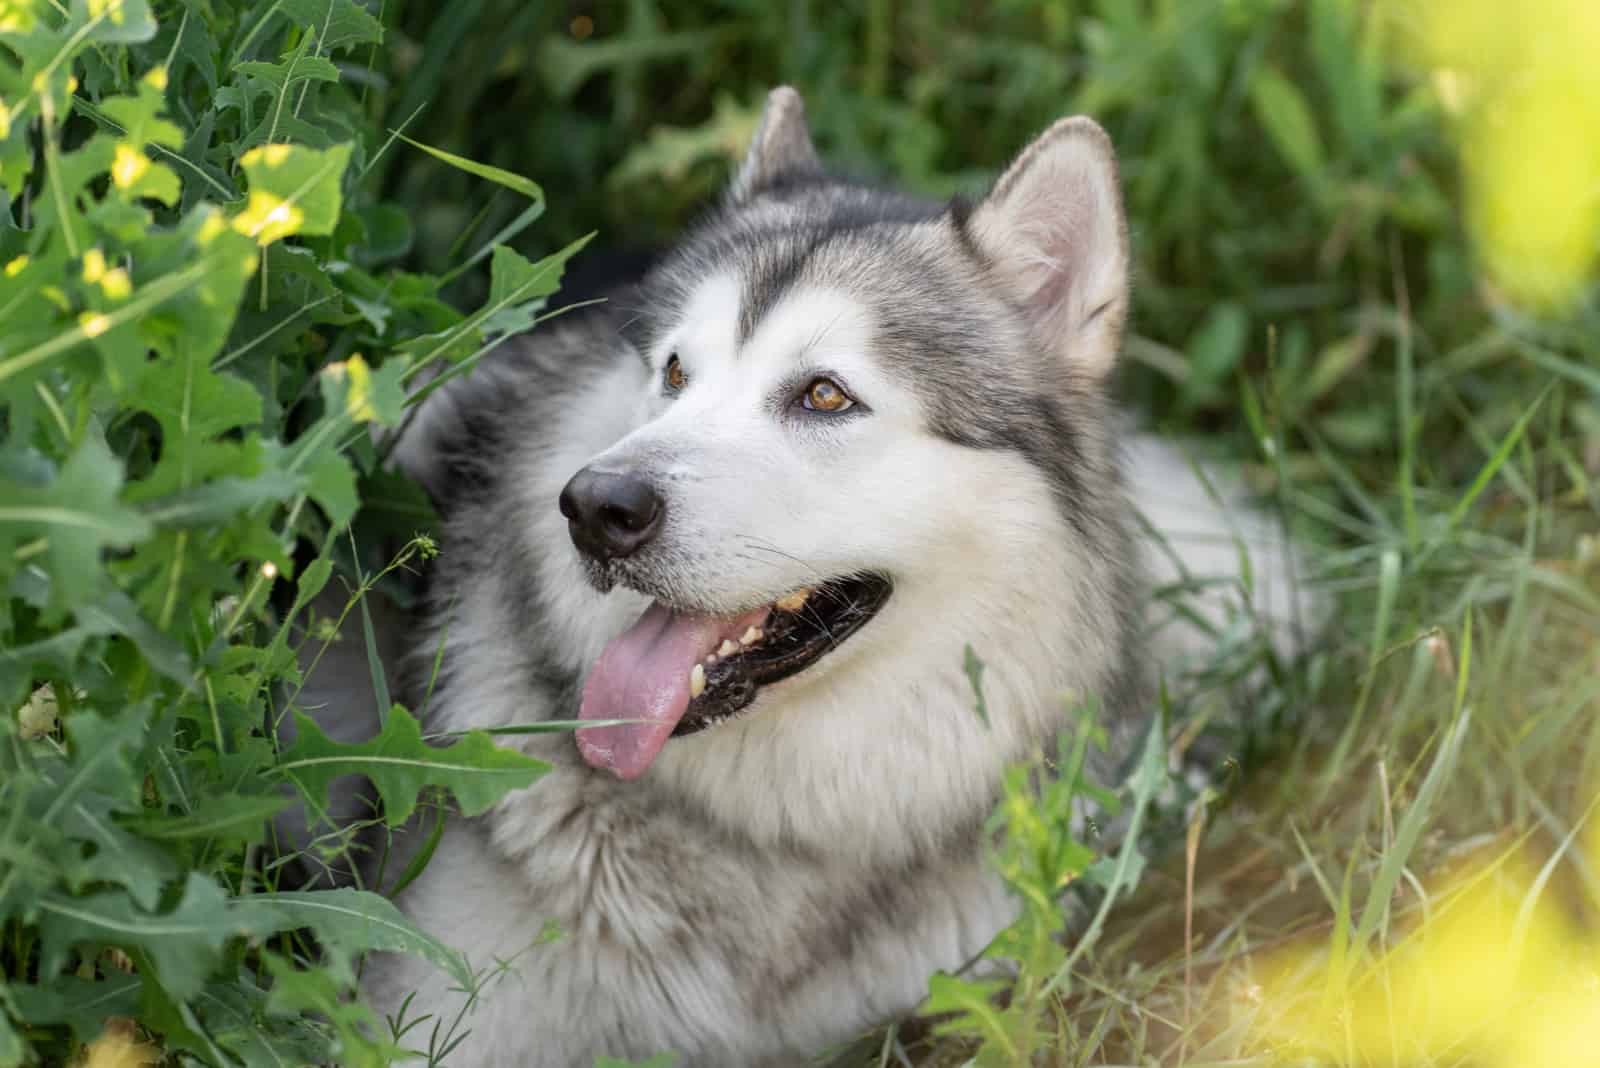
pixel 707 324
pixel 809 323
pixel 894 290
pixel 886 268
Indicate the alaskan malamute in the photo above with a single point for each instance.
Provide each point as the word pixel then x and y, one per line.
pixel 758 507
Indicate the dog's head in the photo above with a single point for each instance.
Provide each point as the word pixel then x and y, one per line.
pixel 860 433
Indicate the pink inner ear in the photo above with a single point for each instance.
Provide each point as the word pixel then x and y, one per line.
pixel 1054 229
pixel 1051 282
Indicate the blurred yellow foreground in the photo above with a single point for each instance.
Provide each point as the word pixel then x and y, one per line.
pixel 1501 971
pixel 1523 80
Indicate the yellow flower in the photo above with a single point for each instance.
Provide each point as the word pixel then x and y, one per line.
pixel 118 1049
pixel 116 284
pixel 358 397
pixel 94 266
pixel 128 165
pixel 266 218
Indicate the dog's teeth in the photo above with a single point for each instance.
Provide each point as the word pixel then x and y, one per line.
pixel 728 647
pixel 750 637
pixel 794 601
pixel 697 681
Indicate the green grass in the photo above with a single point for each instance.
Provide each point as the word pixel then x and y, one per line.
pixel 1446 716
pixel 1309 302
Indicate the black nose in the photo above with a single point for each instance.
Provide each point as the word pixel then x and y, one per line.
pixel 611 515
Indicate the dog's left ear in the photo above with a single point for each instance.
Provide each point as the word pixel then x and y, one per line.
pixel 781 147
pixel 1054 232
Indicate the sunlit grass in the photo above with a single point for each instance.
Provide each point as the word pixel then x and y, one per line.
pixel 1499 969
pixel 1496 961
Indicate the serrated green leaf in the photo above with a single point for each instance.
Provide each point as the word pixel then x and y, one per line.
pixel 335 24
pixel 115 613
pixel 118 856
pixel 81 1004
pixel 278 127
pixel 200 260
pixel 518 290
pixel 454 346
pixel 84 790
pixel 60 650
pixel 223 498
pixel 17 160
pixel 184 942
pixel 972 1004
pixel 78 516
pixel 155 181
pixel 139 115
pixel 172 1018
pixel 293 190
pixel 400 764
pixel 331 481
pixel 363 394
pixel 67 176
pixel 1105 871
pixel 275 78
pixel 113 21
pixel 462 344
pixel 232 817
pixel 199 479
pixel 235 1015
pixel 318 994
pixel 194 404
pixel 311 582
pixel 195 47
pixel 352 922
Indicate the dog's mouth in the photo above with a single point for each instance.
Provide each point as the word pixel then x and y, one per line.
pixel 678 673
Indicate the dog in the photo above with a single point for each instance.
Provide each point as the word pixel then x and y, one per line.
pixel 743 523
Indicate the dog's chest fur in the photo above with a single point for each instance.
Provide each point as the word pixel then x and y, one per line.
pixel 630 925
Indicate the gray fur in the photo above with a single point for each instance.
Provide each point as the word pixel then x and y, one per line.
pixel 782 881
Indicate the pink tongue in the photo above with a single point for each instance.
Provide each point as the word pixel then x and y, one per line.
pixel 643 675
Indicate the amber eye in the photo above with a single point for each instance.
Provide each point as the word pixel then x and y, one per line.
pixel 675 377
pixel 824 395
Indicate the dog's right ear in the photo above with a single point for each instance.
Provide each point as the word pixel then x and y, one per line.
pixel 781 147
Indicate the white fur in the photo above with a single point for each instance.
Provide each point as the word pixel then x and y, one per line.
pixel 775 883
pixel 1204 526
